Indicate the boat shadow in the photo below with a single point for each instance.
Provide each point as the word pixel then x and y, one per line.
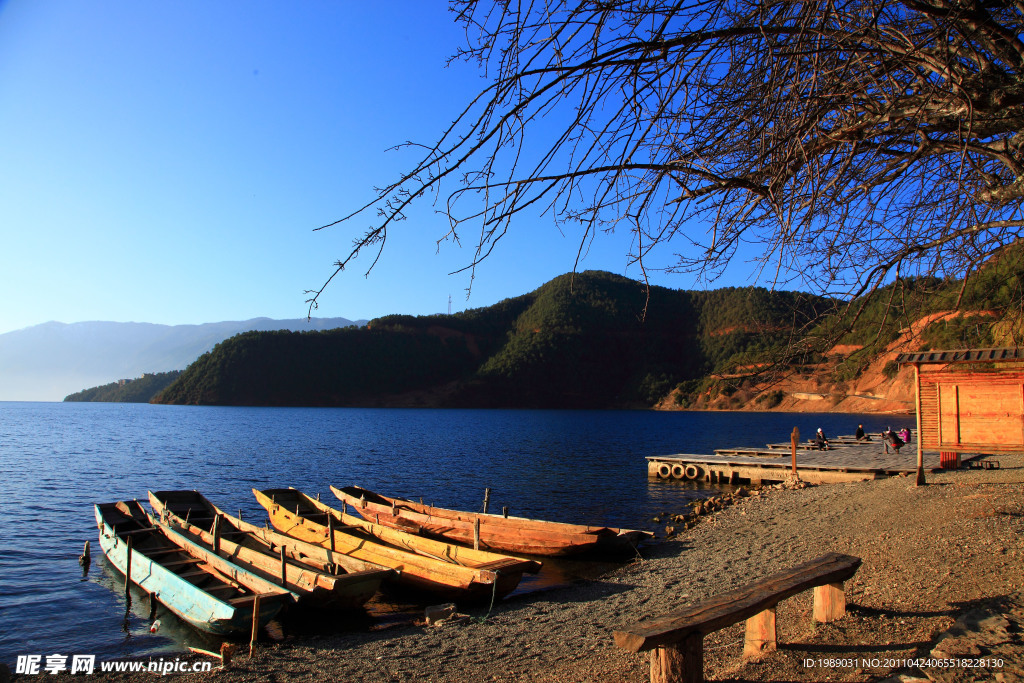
pixel 142 612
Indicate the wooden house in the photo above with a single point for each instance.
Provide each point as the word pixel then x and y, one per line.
pixel 968 401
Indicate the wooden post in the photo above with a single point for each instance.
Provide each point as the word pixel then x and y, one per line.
pixel 284 577
pixel 682 663
pixel 128 573
pixel 226 651
pixel 216 534
pixel 761 634
pixel 152 605
pixel 476 534
pixel 794 439
pixel 920 441
pixel 504 513
pixel 255 623
pixel 330 530
pixel 829 602
pixel 487 499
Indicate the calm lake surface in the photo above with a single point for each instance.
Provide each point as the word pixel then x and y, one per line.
pixel 58 459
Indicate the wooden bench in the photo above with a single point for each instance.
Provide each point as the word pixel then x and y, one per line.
pixel 676 640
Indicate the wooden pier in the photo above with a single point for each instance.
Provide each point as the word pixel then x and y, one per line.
pixel 846 460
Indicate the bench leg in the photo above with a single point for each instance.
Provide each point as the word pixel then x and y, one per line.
pixel 682 663
pixel 761 635
pixel 829 602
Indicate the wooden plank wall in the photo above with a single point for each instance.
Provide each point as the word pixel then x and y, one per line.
pixel 972 411
pixel 929 435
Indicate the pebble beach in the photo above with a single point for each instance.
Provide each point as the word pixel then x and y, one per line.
pixel 932 555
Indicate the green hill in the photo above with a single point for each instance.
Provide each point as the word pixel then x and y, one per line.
pixel 592 339
pixel 595 340
pixel 139 390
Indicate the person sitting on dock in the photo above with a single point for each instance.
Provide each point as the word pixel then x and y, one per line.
pixel 892 439
pixel 820 440
pixel 860 435
pixel 904 434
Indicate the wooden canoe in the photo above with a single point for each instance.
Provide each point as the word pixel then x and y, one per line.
pixel 421 564
pixel 196 518
pixel 189 587
pixel 496 532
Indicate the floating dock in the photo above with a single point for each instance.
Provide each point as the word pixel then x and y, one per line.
pixel 846 460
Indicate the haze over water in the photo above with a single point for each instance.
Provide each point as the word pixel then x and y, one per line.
pixel 57 460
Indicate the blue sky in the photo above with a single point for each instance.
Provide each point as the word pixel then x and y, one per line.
pixel 167 162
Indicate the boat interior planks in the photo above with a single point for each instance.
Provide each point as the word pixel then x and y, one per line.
pixel 420 564
pixel 192 588
pixel 315 585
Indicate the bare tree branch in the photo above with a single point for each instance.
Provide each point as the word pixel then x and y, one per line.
pixel 847 140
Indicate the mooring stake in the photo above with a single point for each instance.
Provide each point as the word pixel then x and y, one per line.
pixel 84 559
pixel 255 623
pixel 794 439
pixel 128 576
pixel 216 534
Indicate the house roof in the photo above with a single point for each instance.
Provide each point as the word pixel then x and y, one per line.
pixel 962 356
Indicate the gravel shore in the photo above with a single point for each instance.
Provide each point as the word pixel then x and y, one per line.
pixel 930 554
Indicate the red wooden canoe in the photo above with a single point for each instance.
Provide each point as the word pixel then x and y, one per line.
pixel 496 532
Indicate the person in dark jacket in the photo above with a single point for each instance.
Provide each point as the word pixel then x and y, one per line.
pixel 820 440
pixel 892 440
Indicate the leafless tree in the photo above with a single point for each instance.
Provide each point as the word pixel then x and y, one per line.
pixel 851 141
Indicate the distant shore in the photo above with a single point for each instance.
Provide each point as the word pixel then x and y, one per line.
pixel 929 553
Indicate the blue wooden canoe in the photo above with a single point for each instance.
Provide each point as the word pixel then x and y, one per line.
pixel 190 587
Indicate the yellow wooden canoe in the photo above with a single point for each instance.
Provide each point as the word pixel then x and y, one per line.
pixel 421 563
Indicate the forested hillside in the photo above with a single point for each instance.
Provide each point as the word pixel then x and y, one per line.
pixel 592 339
pixel 975 313
pixel 139 390
pixel 595 339
pixel 49 361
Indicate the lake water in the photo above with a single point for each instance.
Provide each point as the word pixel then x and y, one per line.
pixel 58 459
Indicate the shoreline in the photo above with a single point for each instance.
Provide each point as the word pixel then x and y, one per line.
pixel 929 554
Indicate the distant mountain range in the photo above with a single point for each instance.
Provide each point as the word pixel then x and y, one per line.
pixel 49 361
